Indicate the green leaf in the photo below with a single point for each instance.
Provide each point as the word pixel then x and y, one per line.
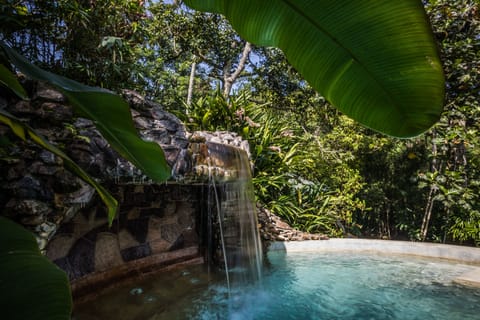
pixel 376 61
pixel 8 80
pixel 110 113
pixel 23 131
pixel 31 286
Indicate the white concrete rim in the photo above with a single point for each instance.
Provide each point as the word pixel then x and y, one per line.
pixel 463 254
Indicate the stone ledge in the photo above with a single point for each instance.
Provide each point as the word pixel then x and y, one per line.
pixel 93 285
pixel 470 278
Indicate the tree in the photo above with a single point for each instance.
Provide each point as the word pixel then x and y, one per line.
pixel 90 41
pixel 414 70
pixel 453 174
pixel 187 53
pixel 428 186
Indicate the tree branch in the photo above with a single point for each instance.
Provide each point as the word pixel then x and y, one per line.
pixel 230 79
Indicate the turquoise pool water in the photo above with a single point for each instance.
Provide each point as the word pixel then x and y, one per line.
pixel 301 286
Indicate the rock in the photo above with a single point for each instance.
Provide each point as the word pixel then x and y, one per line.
pixel 272 228
pixel 140 123
pixel 27 207
pixel 55 113
pixel 160 136
pixel 65 182
pixel 134 99
pixel 17 171
pixel 89 151
pixel 47 228
pixel 171 126
pixel 29 187
pixel 42 243
pixel 29 154
pixel 180 141
pixel 45 92
pixel 33 220
pixel 82 196
pixel 23 108
pixel 48 157
pixel 82 123
pixel 40 168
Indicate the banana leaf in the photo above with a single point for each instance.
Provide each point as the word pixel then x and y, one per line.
pixel 376 61
pixel 110 113
pixel 31 286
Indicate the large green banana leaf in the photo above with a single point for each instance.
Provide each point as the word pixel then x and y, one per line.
pixel 24 131
pixel 31 287
pixel 375 60
pixel 110 113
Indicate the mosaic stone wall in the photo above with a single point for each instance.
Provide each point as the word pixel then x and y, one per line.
pixel 153 219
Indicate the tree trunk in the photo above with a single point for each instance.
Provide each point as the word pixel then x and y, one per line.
pixel 191 83
pixel 428 214
pixel 435 167
pixel 230 78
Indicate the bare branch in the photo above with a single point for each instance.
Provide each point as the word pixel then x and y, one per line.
pixel 230 79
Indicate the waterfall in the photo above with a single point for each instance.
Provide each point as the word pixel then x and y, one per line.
pixel 230 185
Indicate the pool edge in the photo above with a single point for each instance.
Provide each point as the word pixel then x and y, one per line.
pixel 470 278
pixel 468 255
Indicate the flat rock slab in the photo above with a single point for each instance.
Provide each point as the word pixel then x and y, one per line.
pixel 470 278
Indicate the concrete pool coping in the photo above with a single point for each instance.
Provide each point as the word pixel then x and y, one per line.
pixel 467 255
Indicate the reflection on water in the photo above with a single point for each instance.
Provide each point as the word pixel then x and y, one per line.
pixel 301 286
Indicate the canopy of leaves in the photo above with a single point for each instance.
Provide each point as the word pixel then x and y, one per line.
pixel 377 62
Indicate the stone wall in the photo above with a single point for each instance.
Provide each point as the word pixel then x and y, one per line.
pixel 152 219
pixel 155 223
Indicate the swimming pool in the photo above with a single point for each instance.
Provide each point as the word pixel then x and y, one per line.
pixel 301 285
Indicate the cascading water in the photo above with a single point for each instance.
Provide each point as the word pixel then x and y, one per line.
pixel 219 217
pixel 234 211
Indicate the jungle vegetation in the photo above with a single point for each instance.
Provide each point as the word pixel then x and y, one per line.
pixel 314 166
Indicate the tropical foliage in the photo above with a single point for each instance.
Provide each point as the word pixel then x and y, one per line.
pixel 23 266
pixel 360 56
pixel 159 45
pixel 162 43
pixel 314 167
pixel 421 188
